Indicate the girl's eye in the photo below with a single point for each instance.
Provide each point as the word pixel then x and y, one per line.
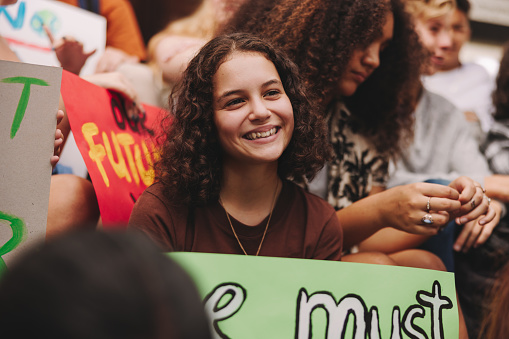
pixel 234 102
pixel 434 29
pixel 272 93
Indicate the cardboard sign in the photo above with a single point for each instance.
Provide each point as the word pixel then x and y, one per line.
pixel 118 152
pixel 261 297
pixel 29 97
pixel 21 25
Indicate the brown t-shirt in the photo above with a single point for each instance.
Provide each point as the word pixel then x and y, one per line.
pixel 302 226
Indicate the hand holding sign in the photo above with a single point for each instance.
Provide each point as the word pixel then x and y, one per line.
pixel 59 140
pixel 117 81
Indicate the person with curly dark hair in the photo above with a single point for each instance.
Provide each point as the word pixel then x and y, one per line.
pixel 364 66
pixel 242 127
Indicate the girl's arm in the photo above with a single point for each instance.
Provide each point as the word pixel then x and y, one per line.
pixel 173 53
pixel 401 207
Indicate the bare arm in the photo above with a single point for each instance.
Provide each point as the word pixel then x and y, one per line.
pixel 400 207
pixel 173 53
pixel 497 187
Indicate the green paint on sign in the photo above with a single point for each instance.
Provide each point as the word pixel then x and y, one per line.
pixel 23 101
pixel 19 233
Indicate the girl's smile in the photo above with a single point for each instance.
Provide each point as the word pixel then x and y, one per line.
pixel 252 113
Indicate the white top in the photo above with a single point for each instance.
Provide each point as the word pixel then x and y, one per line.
pixel 469 87
pixel 443 146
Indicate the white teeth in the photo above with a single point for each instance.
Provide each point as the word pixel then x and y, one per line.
pixel 257 135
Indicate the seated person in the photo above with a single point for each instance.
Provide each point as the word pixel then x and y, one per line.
pixel 443 147
pixel 466 85
pixel 99 285
pixel 242 127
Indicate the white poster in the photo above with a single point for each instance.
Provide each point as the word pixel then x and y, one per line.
pixel 22 26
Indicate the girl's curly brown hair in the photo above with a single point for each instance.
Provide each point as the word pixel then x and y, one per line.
pixel 501 93
pixel 321 35
pixel 190 165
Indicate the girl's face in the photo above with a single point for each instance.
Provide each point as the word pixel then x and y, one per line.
pixel 435 35
pixel 365 60
pixel 252 113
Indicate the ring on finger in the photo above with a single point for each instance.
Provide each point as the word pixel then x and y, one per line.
pixel 427 219
pixel 427 205
pixel 472 203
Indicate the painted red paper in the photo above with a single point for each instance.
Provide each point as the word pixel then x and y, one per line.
pixel 119 154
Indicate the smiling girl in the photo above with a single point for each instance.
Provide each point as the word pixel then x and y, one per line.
pixel 242 126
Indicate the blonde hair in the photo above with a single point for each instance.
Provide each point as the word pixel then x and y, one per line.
pixel 429 9
pixel 201 24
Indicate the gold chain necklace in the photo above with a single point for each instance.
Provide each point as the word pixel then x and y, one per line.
pixel 266 226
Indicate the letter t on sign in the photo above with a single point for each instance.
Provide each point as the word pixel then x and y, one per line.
pixel 23 101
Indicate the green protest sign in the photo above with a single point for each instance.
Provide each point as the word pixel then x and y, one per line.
pixel 262 297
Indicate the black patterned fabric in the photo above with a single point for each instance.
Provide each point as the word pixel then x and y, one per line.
pixel 357 166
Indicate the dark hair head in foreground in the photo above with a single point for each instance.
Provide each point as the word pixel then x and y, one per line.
pixel 99 285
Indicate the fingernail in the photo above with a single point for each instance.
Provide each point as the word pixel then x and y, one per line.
pixel 482 222
pixel 457 248
pixel 463 220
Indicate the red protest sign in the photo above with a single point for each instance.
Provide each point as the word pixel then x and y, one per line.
pixel 118 152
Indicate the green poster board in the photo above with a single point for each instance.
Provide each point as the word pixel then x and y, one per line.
pixel 262 297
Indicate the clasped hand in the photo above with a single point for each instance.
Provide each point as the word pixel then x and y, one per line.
pixel 463 201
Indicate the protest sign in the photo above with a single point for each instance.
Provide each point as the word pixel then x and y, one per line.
pixel 21 25
pixel 29 97
pixel 262 297
pixel 119 153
